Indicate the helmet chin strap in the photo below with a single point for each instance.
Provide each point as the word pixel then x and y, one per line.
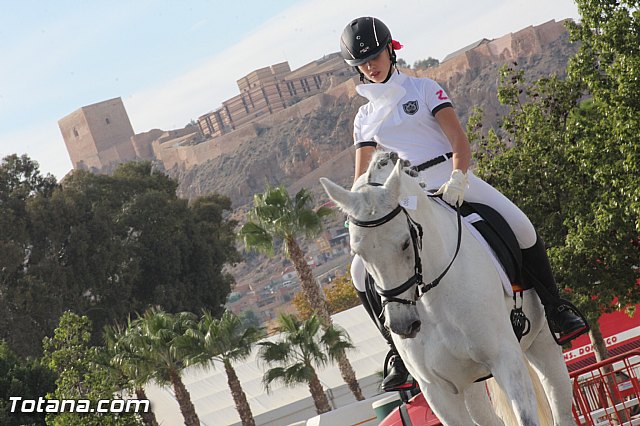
pixel 390 72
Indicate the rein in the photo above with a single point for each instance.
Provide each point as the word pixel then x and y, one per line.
pixel 415 230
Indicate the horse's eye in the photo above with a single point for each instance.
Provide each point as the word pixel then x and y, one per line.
pixel 405 245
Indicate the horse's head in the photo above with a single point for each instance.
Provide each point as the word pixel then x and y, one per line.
pixel 382 235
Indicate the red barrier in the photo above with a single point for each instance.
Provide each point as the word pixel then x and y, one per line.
pixel 608 392
pixel 419 412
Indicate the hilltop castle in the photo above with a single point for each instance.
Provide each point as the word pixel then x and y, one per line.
pixel 100 136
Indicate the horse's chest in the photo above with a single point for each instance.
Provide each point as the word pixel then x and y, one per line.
pixel 444 354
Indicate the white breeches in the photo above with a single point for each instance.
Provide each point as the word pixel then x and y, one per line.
pixel 478 192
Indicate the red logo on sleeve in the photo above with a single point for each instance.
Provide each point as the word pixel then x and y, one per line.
pixel 441 95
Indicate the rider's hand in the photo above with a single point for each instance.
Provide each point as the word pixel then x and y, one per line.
pixel 453 190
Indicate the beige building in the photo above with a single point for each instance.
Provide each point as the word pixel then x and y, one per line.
pixel 98 136
pixel 268 90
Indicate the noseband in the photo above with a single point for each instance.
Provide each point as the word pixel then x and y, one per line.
pixel 415 230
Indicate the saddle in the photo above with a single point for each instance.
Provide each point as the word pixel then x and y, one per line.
pixel 501 239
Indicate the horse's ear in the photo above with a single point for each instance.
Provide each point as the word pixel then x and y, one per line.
pixel 343 197
pixel 393 181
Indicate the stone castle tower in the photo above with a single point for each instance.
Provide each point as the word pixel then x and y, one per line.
pixel 98 136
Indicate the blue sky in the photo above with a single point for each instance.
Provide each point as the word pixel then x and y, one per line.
pixel 171 61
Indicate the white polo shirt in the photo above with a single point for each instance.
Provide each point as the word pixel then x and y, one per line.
pixel 400 117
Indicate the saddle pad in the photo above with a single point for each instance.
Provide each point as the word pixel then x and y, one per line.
pixel 506 258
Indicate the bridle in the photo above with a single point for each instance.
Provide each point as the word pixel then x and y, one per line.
pixel 415 230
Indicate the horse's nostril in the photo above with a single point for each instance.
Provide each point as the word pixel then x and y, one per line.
pixel 415 326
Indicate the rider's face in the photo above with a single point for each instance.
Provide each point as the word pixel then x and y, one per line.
pixel 376 69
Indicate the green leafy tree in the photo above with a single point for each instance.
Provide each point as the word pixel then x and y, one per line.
pixel 402 63
pixel 25 378
pixel 276 217
pixel 24 300
pixel 608 63
pixel 340 295
pixel 299 351
pixel 81 374
pixel 162 343
pixel 249 319
pixel 109 246
pixel 547 158
pixel 226 340
pixel 425 63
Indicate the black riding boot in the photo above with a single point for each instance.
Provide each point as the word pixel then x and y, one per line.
pixel 396 373
pixel 564 319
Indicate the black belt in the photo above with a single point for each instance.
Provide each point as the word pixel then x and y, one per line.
pixel 439 159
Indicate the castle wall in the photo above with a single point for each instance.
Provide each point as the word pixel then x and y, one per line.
pixel 347 88
pixel 142 143
pixel 526 42
pixel 500 47
pixel 248 110
pixel 174 152
pixel 99 135
pixel 550 31
pixel 448 69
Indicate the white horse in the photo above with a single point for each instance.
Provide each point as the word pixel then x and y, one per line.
pixel 449 320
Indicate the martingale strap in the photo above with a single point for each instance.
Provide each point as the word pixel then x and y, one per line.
pixel 417 278
pixel 426 287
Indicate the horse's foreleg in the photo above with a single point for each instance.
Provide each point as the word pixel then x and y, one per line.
pixel 512 374
pixel 447 406
pixel 546 357
pixel 479 405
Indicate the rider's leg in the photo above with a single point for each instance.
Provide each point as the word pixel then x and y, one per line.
pixel 537 270
pixel 397 373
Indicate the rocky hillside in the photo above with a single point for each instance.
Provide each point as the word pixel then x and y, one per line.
pixel 298 150
pixel 288 151
pixel 282 153
pixel 478 86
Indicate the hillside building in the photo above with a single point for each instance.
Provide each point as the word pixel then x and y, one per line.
pixel 269 90
pixel 98 136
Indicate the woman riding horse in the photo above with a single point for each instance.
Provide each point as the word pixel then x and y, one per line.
pixel 415 118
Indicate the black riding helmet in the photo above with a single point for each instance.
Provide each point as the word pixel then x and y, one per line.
pixel 363 39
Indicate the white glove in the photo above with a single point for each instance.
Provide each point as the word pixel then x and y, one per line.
pixel 453 190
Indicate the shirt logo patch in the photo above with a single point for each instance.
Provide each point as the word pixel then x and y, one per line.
pixel 410 107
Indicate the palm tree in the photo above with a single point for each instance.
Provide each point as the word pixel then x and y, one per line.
pixel 276 215
pixel 161 340
pixel 300 350
pixel 226 340
pixel 129 364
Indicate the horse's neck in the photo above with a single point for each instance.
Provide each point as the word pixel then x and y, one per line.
pixel 439 228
